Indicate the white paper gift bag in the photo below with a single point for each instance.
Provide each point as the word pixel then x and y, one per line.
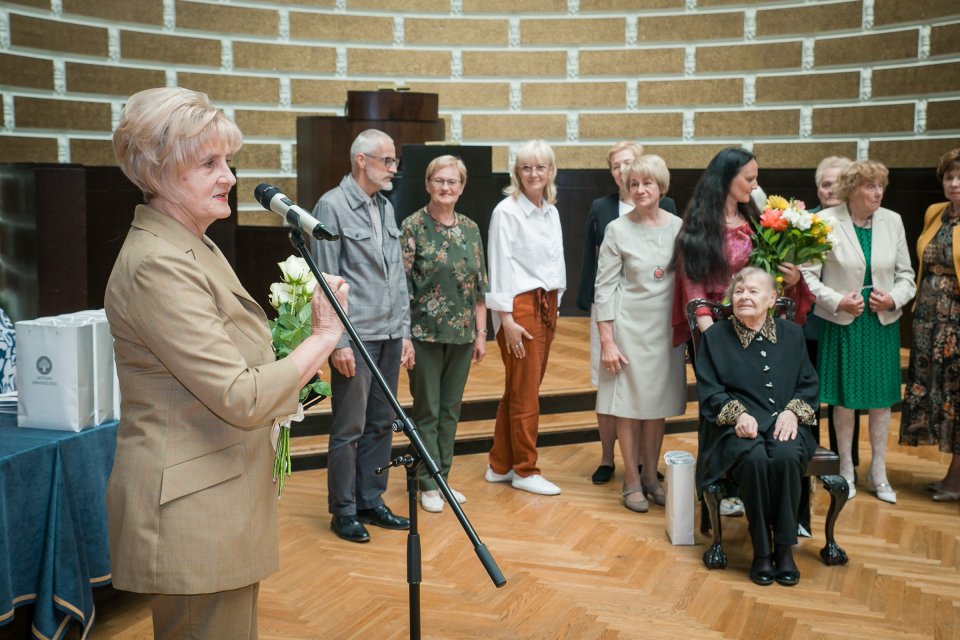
pixel 104 370
pixel 681 496
pixel 55 375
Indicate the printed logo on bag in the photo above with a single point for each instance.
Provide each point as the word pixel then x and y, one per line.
pixel 44 366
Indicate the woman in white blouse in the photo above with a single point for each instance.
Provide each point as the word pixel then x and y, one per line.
pixel 527 277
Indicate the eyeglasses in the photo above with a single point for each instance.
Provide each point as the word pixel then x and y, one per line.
pixel 386 160
pixel 527 169
pixel 440 182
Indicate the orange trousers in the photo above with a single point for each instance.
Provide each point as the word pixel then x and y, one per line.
pixel 518 416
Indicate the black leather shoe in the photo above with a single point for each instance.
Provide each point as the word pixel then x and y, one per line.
pixel 787 572
pixel 761 571
pixel 381 516
pixel 603 474
pixel 349 528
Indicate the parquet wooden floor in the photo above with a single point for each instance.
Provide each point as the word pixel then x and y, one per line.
pixel 580 566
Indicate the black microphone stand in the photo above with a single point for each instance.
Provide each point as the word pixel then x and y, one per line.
pixel 415 455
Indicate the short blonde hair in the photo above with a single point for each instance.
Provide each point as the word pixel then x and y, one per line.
pixel 442 162
pixel 830 162
pixel 534 150
pixel 748 272
pixel 648 166
pixel 858 173
pixel 163 131
pixel 628 145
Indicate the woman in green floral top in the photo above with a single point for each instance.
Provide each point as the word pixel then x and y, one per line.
pixel 446 280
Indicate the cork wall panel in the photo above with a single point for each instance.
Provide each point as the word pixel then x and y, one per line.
pixel 543 31
pixel 260 218
pixel 812 19
pixel 24 71
pixel 798 155
pixel 136 45
pixel 39 4
pixel 809 87
pixel 287 186
pixel 459 33
pixel 225 19
pixel 96 153
pixel 317 4
pixel 232 88
pixel 912 153
pixel 687 156
pixel 723 3
pixel 638 126
pixel 398 6
pixel 713 26
pixel 269 124
pixel 112 80
pixel 747 124
pixel 41 113
pixel 512 64
pixel 943 115
pixel 514 126
pixel 513 7
pixel 257 156
pixel 143 11
pixel 543 95
pixel 24 149
pixel 750 57
pixel 917 80
pixel 469 95
pixel 886 12
pixel 630 62
pixel 54 35
pixel 426 63
pixel 582 157
pixel 849 50
pixel 500 158
pixel 885 118
pixel 284 57
pixel 684 93
pixel 341 28
pixel 327 92
pixel 628 5
pixel 945 40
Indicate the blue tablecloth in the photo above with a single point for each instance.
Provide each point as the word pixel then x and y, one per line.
pixel 53 523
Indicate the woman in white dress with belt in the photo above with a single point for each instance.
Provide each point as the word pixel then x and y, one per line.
pixel 642 376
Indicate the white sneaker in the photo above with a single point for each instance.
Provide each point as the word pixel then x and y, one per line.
pixel 460 498
pixel 535 484
pixel 431 501
pixel 493 476
pixel 732 507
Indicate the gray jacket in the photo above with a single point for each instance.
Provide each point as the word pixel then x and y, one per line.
pixel 379 305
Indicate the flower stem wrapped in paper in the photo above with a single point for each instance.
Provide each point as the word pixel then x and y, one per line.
pixel 787 232
pixel 291 298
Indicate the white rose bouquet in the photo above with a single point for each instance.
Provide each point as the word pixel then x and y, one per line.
pixel 291 298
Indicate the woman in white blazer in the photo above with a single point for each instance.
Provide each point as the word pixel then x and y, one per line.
pixel 861 290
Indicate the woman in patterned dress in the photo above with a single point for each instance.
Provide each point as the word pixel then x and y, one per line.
pixel 933 381
pixel 861 290
pixel 446 281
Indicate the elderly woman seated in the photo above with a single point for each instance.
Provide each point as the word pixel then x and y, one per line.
pixel 757 392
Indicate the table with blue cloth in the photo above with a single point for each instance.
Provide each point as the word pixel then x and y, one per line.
pixel 53 523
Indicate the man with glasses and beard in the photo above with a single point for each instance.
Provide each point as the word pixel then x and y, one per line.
pixel 367 256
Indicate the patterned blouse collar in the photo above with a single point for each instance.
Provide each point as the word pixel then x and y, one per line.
pixel 747 335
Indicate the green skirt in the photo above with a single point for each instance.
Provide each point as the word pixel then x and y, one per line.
pixel 859 363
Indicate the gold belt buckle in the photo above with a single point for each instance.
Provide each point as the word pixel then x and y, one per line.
pixel 940 270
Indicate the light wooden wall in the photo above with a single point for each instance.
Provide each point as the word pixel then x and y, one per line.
pixel 794 80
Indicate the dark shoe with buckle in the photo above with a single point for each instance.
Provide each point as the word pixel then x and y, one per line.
pixel 349 528
pixel 603 474
pixel 381 516
pixel 787 572
pixel 762 571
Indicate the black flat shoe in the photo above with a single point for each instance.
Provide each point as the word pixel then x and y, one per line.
pixel 787 572
pixel 762 571
pixel 603 474
pixel 381 516
pixel 349 528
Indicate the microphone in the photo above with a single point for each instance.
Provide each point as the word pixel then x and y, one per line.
pixel 272 199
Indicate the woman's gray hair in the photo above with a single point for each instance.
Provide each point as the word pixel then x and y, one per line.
pixel 748 272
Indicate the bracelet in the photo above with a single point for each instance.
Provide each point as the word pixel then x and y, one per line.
pixel 483 331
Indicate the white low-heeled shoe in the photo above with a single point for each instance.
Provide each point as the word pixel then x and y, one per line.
pixel 460 498
pixel 431 501
pixel 883 491
pixel 851 488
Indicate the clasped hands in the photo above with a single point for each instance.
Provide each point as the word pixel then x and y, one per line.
pixel 854 302
pixel 784 429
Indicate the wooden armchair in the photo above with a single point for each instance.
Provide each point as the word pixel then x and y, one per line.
pixel 825 464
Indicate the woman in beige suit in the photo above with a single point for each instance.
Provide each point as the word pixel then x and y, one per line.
pixel 191 506
pixel 861 290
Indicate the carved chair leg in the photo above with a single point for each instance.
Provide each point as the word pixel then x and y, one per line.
pixel 714 557
pixel 832 554
pixel 704 516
